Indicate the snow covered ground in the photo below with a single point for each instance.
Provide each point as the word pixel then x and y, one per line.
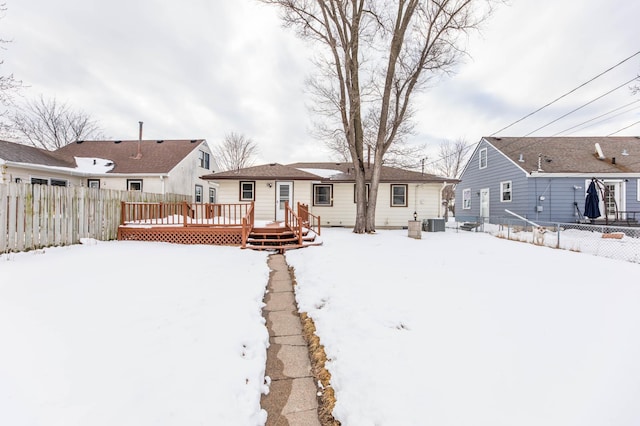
pixel 457 328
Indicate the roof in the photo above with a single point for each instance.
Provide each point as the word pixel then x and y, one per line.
pixel 156 156
pixel 19 153
pixel 571 154
pixel 325 172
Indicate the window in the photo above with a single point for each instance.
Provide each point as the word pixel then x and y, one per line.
pixel 247 191
pixel 398 195
pixel 134 185
pixel 198 194
pixel 58 182
pixel 322 195
pixel 212 195
pixel 203 157
pixel 38 181
pixel 505 191
pixel 93 183
pixel 355 198
pixel 466 199
pixel 483 158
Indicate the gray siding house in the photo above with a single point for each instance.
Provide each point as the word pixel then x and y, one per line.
pixel 545 179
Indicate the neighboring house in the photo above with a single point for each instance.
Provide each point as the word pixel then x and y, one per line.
pixel 545 179
pixel 329 191
pixel 156 166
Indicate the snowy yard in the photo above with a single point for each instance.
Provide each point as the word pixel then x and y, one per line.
pixel 453 329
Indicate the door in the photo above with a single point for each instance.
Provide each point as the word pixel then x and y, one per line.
pixel 613 202
pixel 484 203
pixel 284 192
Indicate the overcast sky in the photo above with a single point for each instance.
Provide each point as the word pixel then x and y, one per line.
pixel 205 68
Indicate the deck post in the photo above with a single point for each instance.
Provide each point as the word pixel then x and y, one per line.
pixel 122 212
pixel 184 213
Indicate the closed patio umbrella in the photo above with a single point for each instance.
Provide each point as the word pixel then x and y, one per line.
pixel 591 203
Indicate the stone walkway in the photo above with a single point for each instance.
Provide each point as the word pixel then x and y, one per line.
pixel 292 396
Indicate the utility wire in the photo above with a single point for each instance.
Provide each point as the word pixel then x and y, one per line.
pixel 600 116
pixel 618 131
pixel 581 106
pixel 568 93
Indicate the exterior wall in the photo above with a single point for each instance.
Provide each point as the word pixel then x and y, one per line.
pixel 560 194
pixel 186 175
pixel 265 196
pixel 9 174
pixel 499 169
pixel 424 199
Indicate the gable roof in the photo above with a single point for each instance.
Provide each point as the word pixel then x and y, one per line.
pixel 324 172
pixel 571 154
pixel 19 153
pixel 159 156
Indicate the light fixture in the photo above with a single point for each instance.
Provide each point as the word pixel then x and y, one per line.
pixel 269 184
pixel 415 215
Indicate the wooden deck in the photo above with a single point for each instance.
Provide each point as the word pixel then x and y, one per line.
pixel 217 224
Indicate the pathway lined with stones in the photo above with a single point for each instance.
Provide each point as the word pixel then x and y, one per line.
pixel 292 393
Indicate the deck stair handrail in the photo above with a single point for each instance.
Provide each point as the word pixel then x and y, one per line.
pixel 248 222
pixel 293 222
pixel 308 219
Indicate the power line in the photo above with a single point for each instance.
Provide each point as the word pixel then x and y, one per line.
pixel 568 93
pixel 600 116
pixel 618 131
pixel 581 106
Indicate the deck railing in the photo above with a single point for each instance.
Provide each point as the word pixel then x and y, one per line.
pixel 186 214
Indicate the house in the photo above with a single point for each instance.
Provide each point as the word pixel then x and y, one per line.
pixel 545 179
pixel 329 191
pixel 155 166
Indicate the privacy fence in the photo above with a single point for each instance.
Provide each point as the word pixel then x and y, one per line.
pixel 37 216
pixel 616 242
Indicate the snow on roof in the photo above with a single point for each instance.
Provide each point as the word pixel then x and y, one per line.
pixel 325 173
pixel 93 165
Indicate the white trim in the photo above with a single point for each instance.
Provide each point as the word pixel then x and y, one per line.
pixel 486 158
pixel 502 191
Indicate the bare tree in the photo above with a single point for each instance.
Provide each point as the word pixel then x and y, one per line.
pixel 235 152
pixel 8 84
pixel 375 55
pixel 49 124
pixel 451 158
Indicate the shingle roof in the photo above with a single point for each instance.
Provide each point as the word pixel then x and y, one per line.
pixel 572 154
pixel 19 153
pixel 265 171
pixel 156 156
pixel 387 174
pixel 321 172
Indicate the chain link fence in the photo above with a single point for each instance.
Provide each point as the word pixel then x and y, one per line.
pixel 615 242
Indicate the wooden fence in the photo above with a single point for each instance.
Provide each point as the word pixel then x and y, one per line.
pixel 37 216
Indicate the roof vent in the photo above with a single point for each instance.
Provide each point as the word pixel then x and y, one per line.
pixel 160 141
pixel 117 141
pixel 194 140
pixel 599 152
pixel 625 152
pixel 79 142
pixel 272 164
pixel 521 159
